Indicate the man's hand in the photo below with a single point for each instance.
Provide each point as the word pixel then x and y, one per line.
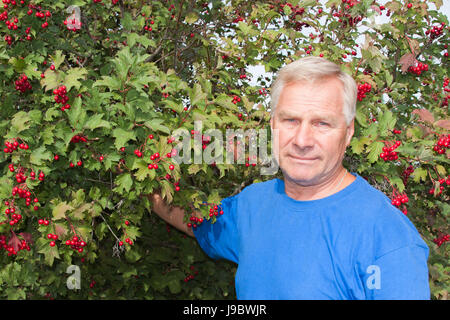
pixel 172 215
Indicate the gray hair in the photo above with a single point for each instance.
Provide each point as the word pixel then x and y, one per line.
pixel 312 69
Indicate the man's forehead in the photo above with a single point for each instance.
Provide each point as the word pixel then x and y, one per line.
pixel 291 112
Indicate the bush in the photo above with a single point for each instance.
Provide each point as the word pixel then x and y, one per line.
pixel 91 92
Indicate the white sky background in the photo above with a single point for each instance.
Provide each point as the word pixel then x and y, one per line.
pixel 257 71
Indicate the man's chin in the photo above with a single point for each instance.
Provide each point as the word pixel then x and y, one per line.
pixel 303 177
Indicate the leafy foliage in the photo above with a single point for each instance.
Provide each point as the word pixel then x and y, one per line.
pixel 140 68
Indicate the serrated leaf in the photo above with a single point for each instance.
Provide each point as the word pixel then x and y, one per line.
pixel 374 151
pixel 78 212
pixel 59 212
pixel 57 58
pixel 76 114
pixel 124 183
pixel 20 121
pixel 419 174
pixel 143 170
pixel 122 137
pixel 112 83
pixel 197 96
pixel 95 121
pixel 40 154
pixel 156 125
pixel 166 191
pixel 358 144
pixel 191 17
pixel 224 100
pixel 73 76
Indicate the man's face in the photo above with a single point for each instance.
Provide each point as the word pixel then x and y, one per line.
pixel 313 133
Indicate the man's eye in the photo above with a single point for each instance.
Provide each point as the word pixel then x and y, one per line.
pixel 323 123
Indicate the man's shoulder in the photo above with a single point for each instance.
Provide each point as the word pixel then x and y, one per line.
pixel 375 214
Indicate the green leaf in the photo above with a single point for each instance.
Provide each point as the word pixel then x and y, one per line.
pixel 155 125
pixel 397 181
pixel 122 137
pixel 191 17
pixel 224 100
pixel 59 212
pixel 40 154
pixel 57 58
pixel 73 76
pixel 143 170
pixel 358 144
pixel 197 96
pixel 95 121
pixel 112 83
pixel 77 115
pixel 374 151
pixel 133 38
pixel 20 121
pixel 419 174
pixel 167 191
pixel 124 183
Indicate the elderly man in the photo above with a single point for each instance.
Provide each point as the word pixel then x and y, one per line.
pixel 322 232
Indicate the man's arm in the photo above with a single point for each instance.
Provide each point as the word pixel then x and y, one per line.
pixel 171 214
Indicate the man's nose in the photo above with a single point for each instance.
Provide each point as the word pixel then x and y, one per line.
pixel 304 136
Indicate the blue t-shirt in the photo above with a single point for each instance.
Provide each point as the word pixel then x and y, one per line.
pixel 353 244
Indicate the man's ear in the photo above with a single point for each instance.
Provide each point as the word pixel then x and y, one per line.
pixel 350 132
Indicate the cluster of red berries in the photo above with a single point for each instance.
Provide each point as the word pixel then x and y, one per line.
pixel 363 89
pixel 236 99
pixel 444 85
pixel 147 27
pixel 44 222
pixel 11 211
pixel 77 138
pixel 61 97
pixel 191 276
pixel 8 39
pixel 418 68
pixel 442 143
pixel 77 244
pixel 10 248
pixel 395 131
pixel 346 18
pixel 127 240
pixel 24 193
pixel 12 25
pixel 22 84
pixel 138 153
pixel 406 173
pixel 52 237
pixel 237 17
pixel 247 164
pixel 79 163
pixel 215 210
pixel 10 147
pixel 435 31
pixel 243 76
pixel 388 153
pixel 442 183
pixel 194 222
pixel 442 239
pixel 263 91
pixel 20 177
pixel 399 199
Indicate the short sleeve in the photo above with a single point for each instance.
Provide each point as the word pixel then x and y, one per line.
pixel 401 274
pixel 221 239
